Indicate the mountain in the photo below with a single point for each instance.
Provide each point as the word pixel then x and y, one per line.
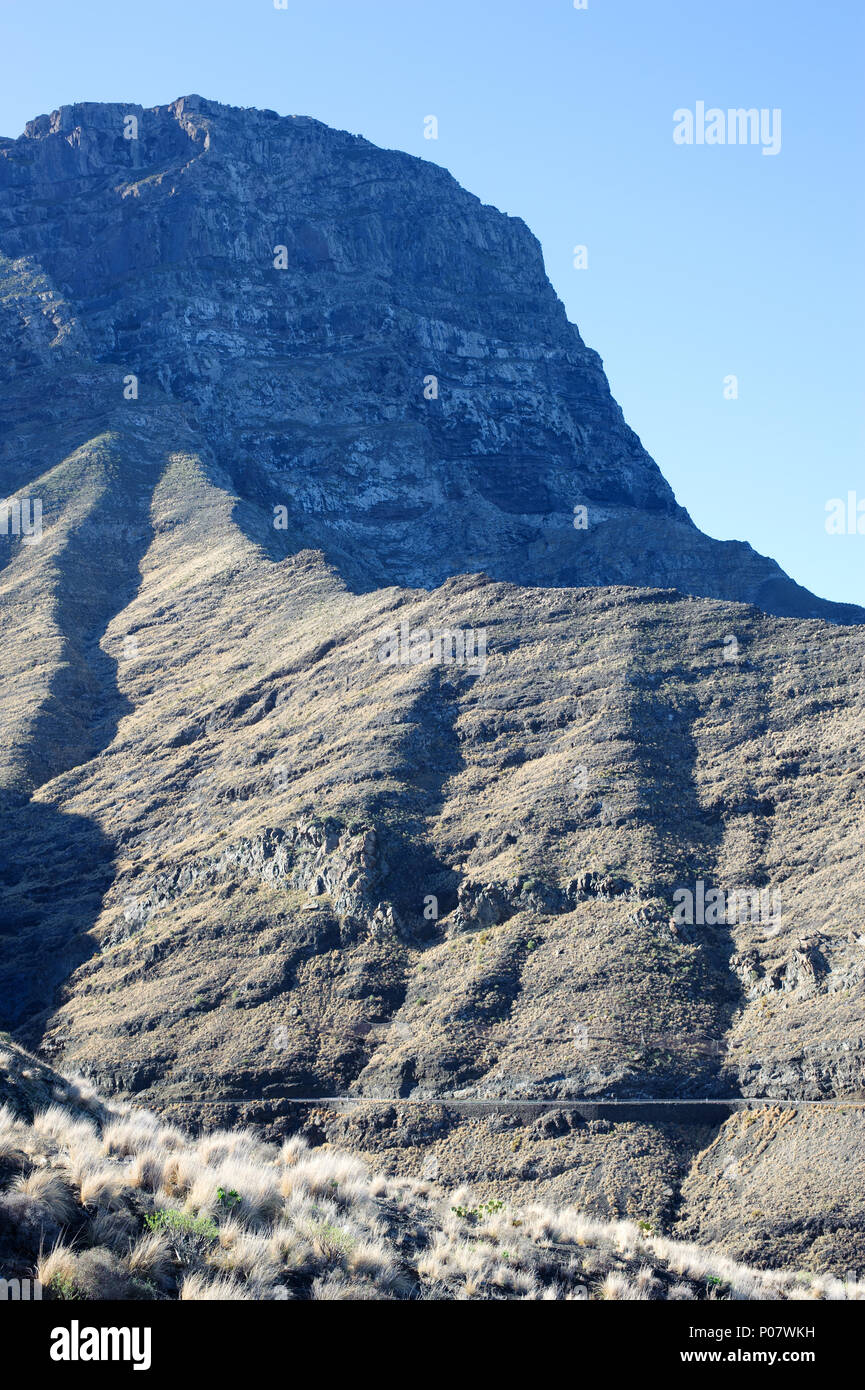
pixel 347 785
pixel 295 290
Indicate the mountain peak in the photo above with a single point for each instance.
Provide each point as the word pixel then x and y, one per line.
pixel 375 358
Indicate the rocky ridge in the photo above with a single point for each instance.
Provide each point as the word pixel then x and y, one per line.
pixel 376 358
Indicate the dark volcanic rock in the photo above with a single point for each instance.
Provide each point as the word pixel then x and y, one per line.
pixel 297 288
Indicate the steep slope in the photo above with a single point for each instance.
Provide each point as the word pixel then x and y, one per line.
pixel 250 861
pixel 281 806
pixel 361 342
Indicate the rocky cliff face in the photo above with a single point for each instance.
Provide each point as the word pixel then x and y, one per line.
pixel 361 343
pixel 264 842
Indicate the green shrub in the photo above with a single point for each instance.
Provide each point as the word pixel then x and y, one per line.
pixel 477 1213
pixel 64 1289
pixel 183 1222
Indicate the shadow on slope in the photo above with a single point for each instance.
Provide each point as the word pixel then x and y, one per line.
pixel 56 870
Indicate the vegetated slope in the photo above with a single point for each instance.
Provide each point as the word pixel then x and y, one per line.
pixel 99 1200
pixel 273 808
pixel 247 862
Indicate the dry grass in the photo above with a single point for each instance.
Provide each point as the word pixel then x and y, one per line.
pixel 147 1169
pixel 150 1257
pixel 112 1203
pixel 50 1190
pixel 59 1264
pixel 198 1287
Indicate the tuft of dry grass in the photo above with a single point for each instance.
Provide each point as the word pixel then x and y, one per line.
pixel 60 1265
pixel 56 1122
pixel 50 1190
pixel 616 1286
pixel 293 1150
pixel 150 1257
pixel 102 1188
pixel 199 1287
pixel 147 1169
pixel 323 1174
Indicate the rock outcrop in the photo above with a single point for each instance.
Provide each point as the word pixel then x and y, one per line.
pixel 375 358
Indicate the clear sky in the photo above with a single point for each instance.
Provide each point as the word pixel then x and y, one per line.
pixel 704 261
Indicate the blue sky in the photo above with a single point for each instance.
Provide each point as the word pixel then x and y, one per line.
pixel 703 261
